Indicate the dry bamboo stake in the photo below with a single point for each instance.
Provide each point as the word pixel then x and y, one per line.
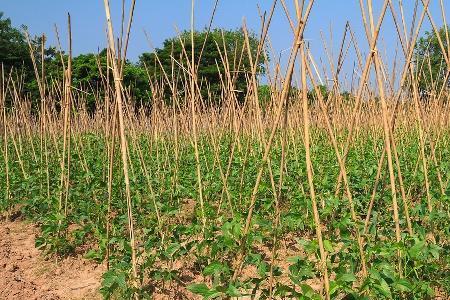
pixel 146 173
pixel 47 172
pixel 5 140
pixel 402 186
pixel 41 92
pixel 253 67
pixel 373 43
pixel 68 95
pixel 421 138
pixel 222 175
pixel 110 182
pixel 374 191
pixel 19 157
pixel 394 147
pixel 66 135
pixel 309 170
pixel 123 142
pixel 41 120
pixel 193 80
pixel 342 168
pixel 127 38
pixel 387 138
pixel 236 141
pixel 283 98
pixel 278 198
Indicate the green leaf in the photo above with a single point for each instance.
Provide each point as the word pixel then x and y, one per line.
pixel 415 250
pixel 214 268
pixel 203 290
pixel 232 291
pixel 121 281
pixel 92 254
pixel 434 250
pixel 327 245
pixel 348 277
pixel 334 287
pixel 309 291
pixel 174 247
pixel 200 288
pixel 384 288
pixel 111 278
pixel 108 280
pixel 403 285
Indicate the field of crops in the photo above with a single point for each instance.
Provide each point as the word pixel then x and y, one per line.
pixel 305 196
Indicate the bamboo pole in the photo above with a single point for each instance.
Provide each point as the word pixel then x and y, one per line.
pixel 123 142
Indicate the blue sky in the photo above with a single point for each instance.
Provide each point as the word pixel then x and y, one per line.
pixel 161 18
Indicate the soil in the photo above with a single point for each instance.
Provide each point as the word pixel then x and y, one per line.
pixel 25 273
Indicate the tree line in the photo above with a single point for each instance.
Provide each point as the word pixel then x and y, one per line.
pixel 170 60
pixel 223 53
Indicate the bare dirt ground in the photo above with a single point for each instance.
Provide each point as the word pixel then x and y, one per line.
pixel 26 274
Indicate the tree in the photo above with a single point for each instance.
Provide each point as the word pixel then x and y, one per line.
pixel 430 61
pixel 15 55
pixel 86 76
pixel 13 46
pixel 211 67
